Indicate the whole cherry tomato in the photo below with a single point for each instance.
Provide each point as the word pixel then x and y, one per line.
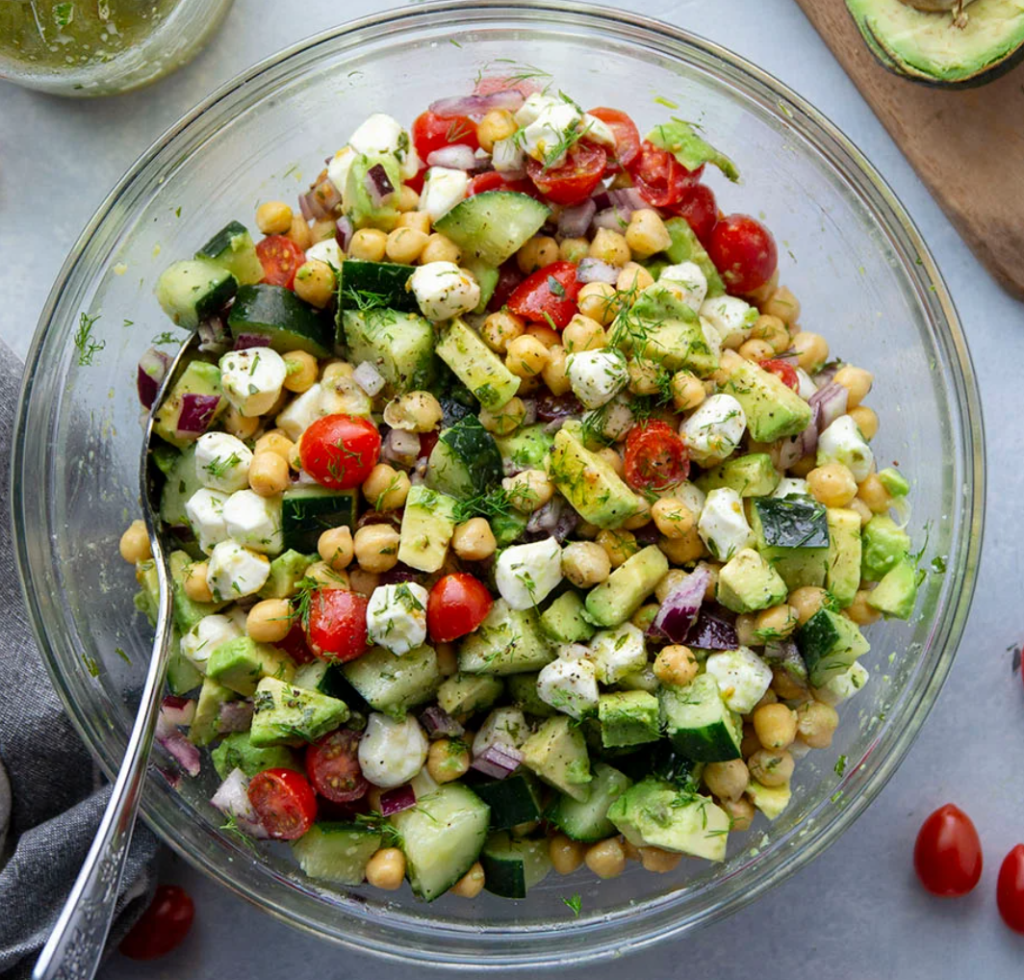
pixel 700 210
pixel 163 925
pixel 280 258
pixel 786 373
pixel 333 767
pixel 1010 889
pixel 432 132
pixel 947 854
pixel 661 179
pixel 627 138
pixel 572 182
pixel 284 802
pixel 458 604
pixel 743 251
pixel 548 296
pixel 655 458
pixel 335 624
pixel 339 451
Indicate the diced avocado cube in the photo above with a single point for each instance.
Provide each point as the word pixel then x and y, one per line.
pixel 508 528
pixel 792 535
pixel 844 555
pixel 205 725
pixel 770 800
pixel 628 718
pixel 476 365
pixel 747 583
pixel 563 620
pixel 773 410
pixel 894 481
pixel 557 752
pixel 198 378
pixel 428 523
pixel 394 684
pixel 399 345
pixel 363 210
pixel 753 475
pixel 509 641
pixel 829 644
pixel 527 447
pixel 522 690
pixel 896 594
pixel 285 715
pixel 187 612
pixel 884 545
pixel 286 571
pixel 588 482
pixel 463 694
pixel 620 595
pixel 686 247
pixel 238 752
pixel 241 663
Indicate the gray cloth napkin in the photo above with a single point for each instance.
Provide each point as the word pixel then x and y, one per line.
pixel 56 796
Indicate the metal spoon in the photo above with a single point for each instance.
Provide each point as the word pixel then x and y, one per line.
pixel 75 946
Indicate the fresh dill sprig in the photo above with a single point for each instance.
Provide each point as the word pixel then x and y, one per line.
pixel 575 902
pixel 86 346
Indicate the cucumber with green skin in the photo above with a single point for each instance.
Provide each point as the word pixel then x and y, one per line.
pixel 337 852
pixel 513 800
pixel 493 226
pixel 193 289
pixel 306 512
pixel 698 723
pixel 232 247
pixel 588 821
pixel 381 284
pixel 466 461
pixel 279 315
pixel 512 867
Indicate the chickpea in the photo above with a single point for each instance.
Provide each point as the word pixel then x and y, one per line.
pixel 566 855
pixel 548 337
pixel 645 615
pixel 314 282
pixel 298 232
pixel 816 722
pixel 447 659
pixel 642 517
pixel 526 356
pixel 573 249
pixel 760 296
pixel 585 563
pixel 618 545
pixel 783 304
pixel 746 629
pixel 872 491
pixel 811 350
pixel 645 377
pixel 303 371
pixel 775 725
pixel 554 371
pixel 538 252
pixel 498 124
pixel 274 441
pixel 857 383
pixel 597 301
pixel 658 860
pixel 405 245
pixel 862 510
pixel 370 244
pixel 274 218
pixel 195 585
pixel 440 248
pixel 322 230
pixel 386 869
pixel 866 419
pixel 335 547
pixel 646 233
pixel 631 851
pixel 134 544
pixel 832 485
pixel 529 490
pixel 583 333
pixel 771 330
pixel 727 780
pixel 672 517
pixel 417 220
pixel 474 540
pixel 749 744
pixel 447 760
pixel 859 611
pixel 408 200
pixel 803 466
pixel 633 278
pixel 415 411
pixel 688 391
pixel 241 426
pixel 326 577
pixel 505 420
pixel 771 767
pixel 471 883
pixel 788 687
pixel 269 621
pixel 500 328
pixel 606 858
pixel 675 664
pixel 806 600
pixel 268 474
pixel 362 581
pixel 376 547
pixel 741 813
pixel 776 623
pixel 386 488
pixel 769 697
pixel 681 551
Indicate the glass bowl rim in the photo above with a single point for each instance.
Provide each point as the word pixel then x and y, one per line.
pixel 468 946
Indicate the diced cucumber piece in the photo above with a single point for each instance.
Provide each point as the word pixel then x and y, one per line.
pixel 588 821
pixel 337 852
pixel 399 345
pixel 466 693
pixel 513 800
pixel 829 644
pixel 466 461
pixel 394 684
pixel 512 867
pixel 522 690
pixel 793 536
pixel 306 512
pixel 375 284
pixel 278 314
pixel 193 289
pixel 182 481
pixel 564 620
pixel 509 641
pixel 476 365
pixel 232 247
pixel 494 225
pixel 698 723
pixel 428 523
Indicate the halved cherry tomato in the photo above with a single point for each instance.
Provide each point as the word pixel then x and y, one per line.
pixel 1010 889
pixel 432 132
pixel 572 182
pixel 280 258
pixel 700 210
pixel 627 138
pixel 947 854
pixel 655 457
pixel 458 604
pixel 417 182
pixel 339 451
pixel 427 442
pixel 284 802
pixel 489 84
pixel 743 251
pixel 163 925
pixel 336 624
pixel 494 181
pixel 661 179
pixel 548 296
pixel 786 373
pixel 509 278
pixel 333 767
pixel 294 644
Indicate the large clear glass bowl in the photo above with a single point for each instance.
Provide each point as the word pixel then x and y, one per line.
pixel 850 252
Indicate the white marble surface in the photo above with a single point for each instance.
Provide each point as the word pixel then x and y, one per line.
pixel 857 912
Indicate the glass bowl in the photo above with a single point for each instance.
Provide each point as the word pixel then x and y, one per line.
pixel 850 252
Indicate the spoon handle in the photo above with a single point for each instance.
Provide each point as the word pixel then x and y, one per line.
pixel 75 946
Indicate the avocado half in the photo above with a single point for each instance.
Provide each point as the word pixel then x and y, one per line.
pixel 964 45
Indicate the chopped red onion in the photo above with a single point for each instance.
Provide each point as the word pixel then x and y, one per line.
pixel 573 222
pixel 439 724
pixel 498 761
pixel 234 716
pixel 530 411
pixel 152 370
pixel 627 198
pixel 557 408
pixel 232 799
pixel 378 184
pixel 368 378
pixel 175 711
pixel 197 412
pixel 711 632
pixel 326 195
pixel 312 209
pixel 614 219
pixel 789 357
pixel 594 270
pixel 828 403
pixel 457 156
pixel 213 335
pixel 679 611
pixel 554 520
pixel 344 232
pixel 478 105
pixel 179 748
pixel 826 374
pixel 397 800
pixel 786 654
pixel 401 447
pixel 246 340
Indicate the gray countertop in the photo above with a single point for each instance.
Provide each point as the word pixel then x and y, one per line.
pixel 855 913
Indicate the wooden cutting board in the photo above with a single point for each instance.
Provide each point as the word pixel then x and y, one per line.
pixel 967 146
